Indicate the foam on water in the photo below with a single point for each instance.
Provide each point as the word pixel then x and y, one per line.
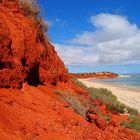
pixel 129 80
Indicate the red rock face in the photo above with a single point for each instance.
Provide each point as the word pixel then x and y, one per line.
pixel 23 56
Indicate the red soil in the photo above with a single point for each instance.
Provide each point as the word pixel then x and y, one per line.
pixel 30 113
pixel 100 75
pixel 38 113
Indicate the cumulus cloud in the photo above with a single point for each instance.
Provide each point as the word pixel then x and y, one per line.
pixel 115 41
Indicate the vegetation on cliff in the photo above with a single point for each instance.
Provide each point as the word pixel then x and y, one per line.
pixel 32 11
pixel 133 123
pixel 108 98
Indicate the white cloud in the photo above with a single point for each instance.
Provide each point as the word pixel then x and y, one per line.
pixel 115 41
pixel 55 22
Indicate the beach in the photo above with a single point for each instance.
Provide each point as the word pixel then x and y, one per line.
pixel 125 94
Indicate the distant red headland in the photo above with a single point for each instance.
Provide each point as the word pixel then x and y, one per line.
pixel 99 75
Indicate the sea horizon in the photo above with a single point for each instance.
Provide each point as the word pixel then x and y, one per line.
pixel 131 80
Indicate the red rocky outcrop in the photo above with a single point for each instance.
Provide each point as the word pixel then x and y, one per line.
pixel 24 57
pixel 93 117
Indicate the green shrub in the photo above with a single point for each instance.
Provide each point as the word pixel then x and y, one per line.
pixel 132 111
pixel 107 97
pixel 132 123
pixel 107 118
pixel 103 94
pixel 78 83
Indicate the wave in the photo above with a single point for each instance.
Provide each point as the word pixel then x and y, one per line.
pixel 124 76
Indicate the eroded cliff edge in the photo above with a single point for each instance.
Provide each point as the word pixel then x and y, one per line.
pixel 24 55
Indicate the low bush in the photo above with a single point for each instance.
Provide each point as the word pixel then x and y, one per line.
pixel 107 118
pixel 132 123
pixel 30 8
pixel 78 83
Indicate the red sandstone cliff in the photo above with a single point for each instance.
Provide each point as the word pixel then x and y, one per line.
pixel 31 78
pixel 24 57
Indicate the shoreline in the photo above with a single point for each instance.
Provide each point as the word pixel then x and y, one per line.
pixel 130 96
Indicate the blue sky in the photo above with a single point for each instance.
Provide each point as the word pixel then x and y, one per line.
pixel 95 35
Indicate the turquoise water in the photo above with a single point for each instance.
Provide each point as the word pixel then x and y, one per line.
pixel 129 79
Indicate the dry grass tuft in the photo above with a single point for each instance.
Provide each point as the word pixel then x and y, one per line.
pixel 32 11
pixel 30 7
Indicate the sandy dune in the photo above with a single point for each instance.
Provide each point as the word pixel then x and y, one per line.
pixel 125 94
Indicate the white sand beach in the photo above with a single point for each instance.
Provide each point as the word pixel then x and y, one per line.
pixel 125 94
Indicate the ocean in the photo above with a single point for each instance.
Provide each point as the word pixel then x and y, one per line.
pixel 128 80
